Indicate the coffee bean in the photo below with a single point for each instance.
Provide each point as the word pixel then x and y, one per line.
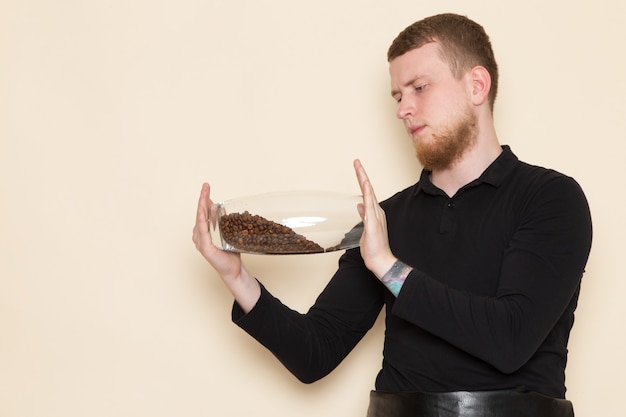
pixel 254 233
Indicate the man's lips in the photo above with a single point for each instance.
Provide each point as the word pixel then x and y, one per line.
pixel 415 130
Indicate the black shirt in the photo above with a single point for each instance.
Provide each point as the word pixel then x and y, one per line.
pixel 490 302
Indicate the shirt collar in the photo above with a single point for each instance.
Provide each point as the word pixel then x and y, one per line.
pixel 494 175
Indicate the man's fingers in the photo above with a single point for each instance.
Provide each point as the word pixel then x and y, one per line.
pixel 370 202
pixel 201 228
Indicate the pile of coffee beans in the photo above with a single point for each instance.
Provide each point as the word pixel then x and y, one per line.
pixel 254 233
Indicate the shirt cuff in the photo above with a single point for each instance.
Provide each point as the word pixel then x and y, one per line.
pixel 241 318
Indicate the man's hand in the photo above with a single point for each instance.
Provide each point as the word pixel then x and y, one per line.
pixel 228 265
pixel 374 242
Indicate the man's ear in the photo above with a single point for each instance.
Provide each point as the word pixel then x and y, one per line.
pixel 481 84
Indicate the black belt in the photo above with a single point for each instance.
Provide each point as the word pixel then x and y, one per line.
pixel 506 403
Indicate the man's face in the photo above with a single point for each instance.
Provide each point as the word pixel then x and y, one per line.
pixel 434 105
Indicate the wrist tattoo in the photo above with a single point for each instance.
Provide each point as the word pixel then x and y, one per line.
pixel 395 277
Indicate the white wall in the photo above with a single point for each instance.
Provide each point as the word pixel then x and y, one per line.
pixel 112 114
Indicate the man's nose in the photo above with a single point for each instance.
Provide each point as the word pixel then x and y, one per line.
pixel 405 109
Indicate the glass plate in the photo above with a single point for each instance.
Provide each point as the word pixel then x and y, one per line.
pixel 293 222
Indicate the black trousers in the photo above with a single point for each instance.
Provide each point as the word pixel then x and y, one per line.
pixel 506 403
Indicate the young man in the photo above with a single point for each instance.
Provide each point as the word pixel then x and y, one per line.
pixel 478 264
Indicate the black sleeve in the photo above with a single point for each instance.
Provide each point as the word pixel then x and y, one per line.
pixel 311 345
pixel 539 279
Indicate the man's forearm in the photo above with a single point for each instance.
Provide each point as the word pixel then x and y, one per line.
pixel 395 277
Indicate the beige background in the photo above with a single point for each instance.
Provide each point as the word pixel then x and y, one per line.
pixel 112 114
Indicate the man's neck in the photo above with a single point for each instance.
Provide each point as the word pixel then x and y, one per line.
pixel 471 165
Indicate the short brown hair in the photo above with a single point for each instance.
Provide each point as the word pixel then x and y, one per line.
pixel 463 44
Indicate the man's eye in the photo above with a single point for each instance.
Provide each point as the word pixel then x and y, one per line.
pixel 420 88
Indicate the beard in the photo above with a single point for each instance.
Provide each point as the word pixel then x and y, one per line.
pixel 450 144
